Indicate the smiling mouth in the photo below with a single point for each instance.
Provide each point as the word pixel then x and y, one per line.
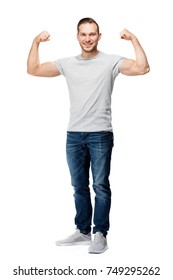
pixel 88 45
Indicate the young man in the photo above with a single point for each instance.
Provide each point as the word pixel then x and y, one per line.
pixel 90 78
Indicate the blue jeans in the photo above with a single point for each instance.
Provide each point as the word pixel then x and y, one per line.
pixel 84 150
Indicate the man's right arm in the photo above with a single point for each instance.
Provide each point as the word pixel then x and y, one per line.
pixel 34 67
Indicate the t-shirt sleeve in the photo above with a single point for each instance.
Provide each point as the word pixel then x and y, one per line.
pixel 117 64
pixel 59 66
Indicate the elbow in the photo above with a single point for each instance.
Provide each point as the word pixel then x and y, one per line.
pixel 147 69
pixel 144 70
pixel 31 71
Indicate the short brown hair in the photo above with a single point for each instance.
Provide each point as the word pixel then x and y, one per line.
pixel 87 20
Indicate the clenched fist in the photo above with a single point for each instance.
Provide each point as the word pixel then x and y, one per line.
pixel 127 35
pixel 44 36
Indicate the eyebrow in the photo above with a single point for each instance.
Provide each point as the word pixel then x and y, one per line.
pixel 91 33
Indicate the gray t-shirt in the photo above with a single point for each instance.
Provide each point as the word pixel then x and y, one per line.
pixel 90 82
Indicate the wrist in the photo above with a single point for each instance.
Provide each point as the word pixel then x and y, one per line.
pixel 36 41
pixel 133 38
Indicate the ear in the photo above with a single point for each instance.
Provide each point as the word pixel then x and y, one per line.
pixel 100 35
pixel 77 36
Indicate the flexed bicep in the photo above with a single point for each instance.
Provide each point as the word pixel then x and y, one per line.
pixel 128 67
pixel 34 67
pixel 47 69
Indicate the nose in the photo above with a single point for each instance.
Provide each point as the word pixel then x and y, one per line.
pixel 87 38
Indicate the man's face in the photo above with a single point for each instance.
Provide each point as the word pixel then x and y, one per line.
pixel 88 37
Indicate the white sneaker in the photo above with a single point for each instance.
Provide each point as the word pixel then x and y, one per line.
pixel 76 238
pixel 99 245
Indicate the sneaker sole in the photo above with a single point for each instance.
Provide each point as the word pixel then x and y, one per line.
pixel 74 243
pixel 98 252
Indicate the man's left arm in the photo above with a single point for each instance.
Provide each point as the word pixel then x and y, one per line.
pixel 132 67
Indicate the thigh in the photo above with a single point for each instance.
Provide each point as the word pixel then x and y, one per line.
pixel 100 147
pixel 78 159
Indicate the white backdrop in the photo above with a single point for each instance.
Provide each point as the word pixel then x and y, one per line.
pixel 36 200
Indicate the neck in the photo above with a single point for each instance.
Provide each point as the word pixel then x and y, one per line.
pixel 89 54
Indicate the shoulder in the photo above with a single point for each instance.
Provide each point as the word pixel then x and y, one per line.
pixel 114 60
pixel 62 63
pixel 112 57
pixel 65 59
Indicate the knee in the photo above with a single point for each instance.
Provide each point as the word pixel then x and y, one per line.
pixel 102 189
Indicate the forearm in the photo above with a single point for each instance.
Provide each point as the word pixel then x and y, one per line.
pixel 33 61
pixel 141 58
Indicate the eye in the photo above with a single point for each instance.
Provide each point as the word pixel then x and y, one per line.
pixel 92 34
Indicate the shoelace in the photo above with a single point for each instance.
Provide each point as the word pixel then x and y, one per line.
pixel 75 233
pixel 98 237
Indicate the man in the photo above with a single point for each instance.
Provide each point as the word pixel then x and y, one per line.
pixel 90 78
